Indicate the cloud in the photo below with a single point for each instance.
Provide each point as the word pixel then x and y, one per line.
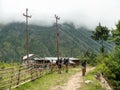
pixel 81 12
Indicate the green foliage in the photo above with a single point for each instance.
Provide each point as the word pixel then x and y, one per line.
pixel 116 34
pixel 113 73
pixel 112 63
pixel 94 85
pixel 110 67
pixel 101 34
pixel 6 65
pixel 90 57
pixel 42 41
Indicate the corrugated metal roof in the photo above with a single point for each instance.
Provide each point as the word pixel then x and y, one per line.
pixel 25 57
pixel 71 62
pixel 50 58
pixel 55 58
pixel 38 58
pixel 72 58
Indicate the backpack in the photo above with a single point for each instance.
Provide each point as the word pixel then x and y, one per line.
pixel 57 62
pixel 64 61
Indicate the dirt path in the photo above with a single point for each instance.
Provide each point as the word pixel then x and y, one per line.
pixel 73 83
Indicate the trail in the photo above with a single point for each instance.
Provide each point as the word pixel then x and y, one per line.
pixel 73 83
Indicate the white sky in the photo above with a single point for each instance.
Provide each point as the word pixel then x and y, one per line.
pixel 80 12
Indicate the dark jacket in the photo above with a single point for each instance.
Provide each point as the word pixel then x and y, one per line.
pixel 84 64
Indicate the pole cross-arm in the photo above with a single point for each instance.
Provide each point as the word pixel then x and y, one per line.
pixel 26 15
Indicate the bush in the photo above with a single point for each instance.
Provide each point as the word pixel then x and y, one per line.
pixel 112 68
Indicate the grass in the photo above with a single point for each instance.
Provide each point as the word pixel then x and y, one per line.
pixel 7 65
pixel 94 85
pixel 54 79
pixel 48 81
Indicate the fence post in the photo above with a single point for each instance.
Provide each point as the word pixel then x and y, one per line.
pixel 36 73
pixel 12 71
pixel 19 71
pixel 31 72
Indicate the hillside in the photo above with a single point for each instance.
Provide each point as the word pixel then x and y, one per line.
pixel 42 41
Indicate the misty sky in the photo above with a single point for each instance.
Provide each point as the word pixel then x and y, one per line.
pixel 81 12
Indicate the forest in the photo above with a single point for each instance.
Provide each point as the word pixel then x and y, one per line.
pixel 73 42
pixel 98 47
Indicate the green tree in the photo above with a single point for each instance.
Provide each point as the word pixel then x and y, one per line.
pixel 101 34
pixel 112 61
pixel 116 34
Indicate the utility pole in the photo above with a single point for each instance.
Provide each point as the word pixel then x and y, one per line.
pixel 57 34
pixel 27 47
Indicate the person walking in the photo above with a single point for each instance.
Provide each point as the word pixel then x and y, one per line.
pixel 66 62
pixel 59 64
pixel 51 66
pixel 83 68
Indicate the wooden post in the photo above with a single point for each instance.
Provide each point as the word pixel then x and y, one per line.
pixel 57 34
pixel 12 72
pixel 19 72
pixel 36 73
pixel 31 72
pixel 27 39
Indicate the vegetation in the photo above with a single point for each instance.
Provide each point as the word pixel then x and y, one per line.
pixel 101 34
pixel 112 62
pixel 109 64
pixel 47 81
pixel 42 41
pixel 90 57
pixel 94 84
pixel 112 69
pixel 116 34
pixel 72 42
pixel 6 65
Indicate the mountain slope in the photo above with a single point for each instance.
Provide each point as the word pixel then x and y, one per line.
pixel 42 41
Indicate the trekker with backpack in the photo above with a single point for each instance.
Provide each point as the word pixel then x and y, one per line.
pixel 83 68
pixel 59 64
pixel 66 62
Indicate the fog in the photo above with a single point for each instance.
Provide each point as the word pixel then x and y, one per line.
pixel 80 12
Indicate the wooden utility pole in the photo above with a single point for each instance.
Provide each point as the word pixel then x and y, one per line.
pixel 27 47
pixel 57 34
